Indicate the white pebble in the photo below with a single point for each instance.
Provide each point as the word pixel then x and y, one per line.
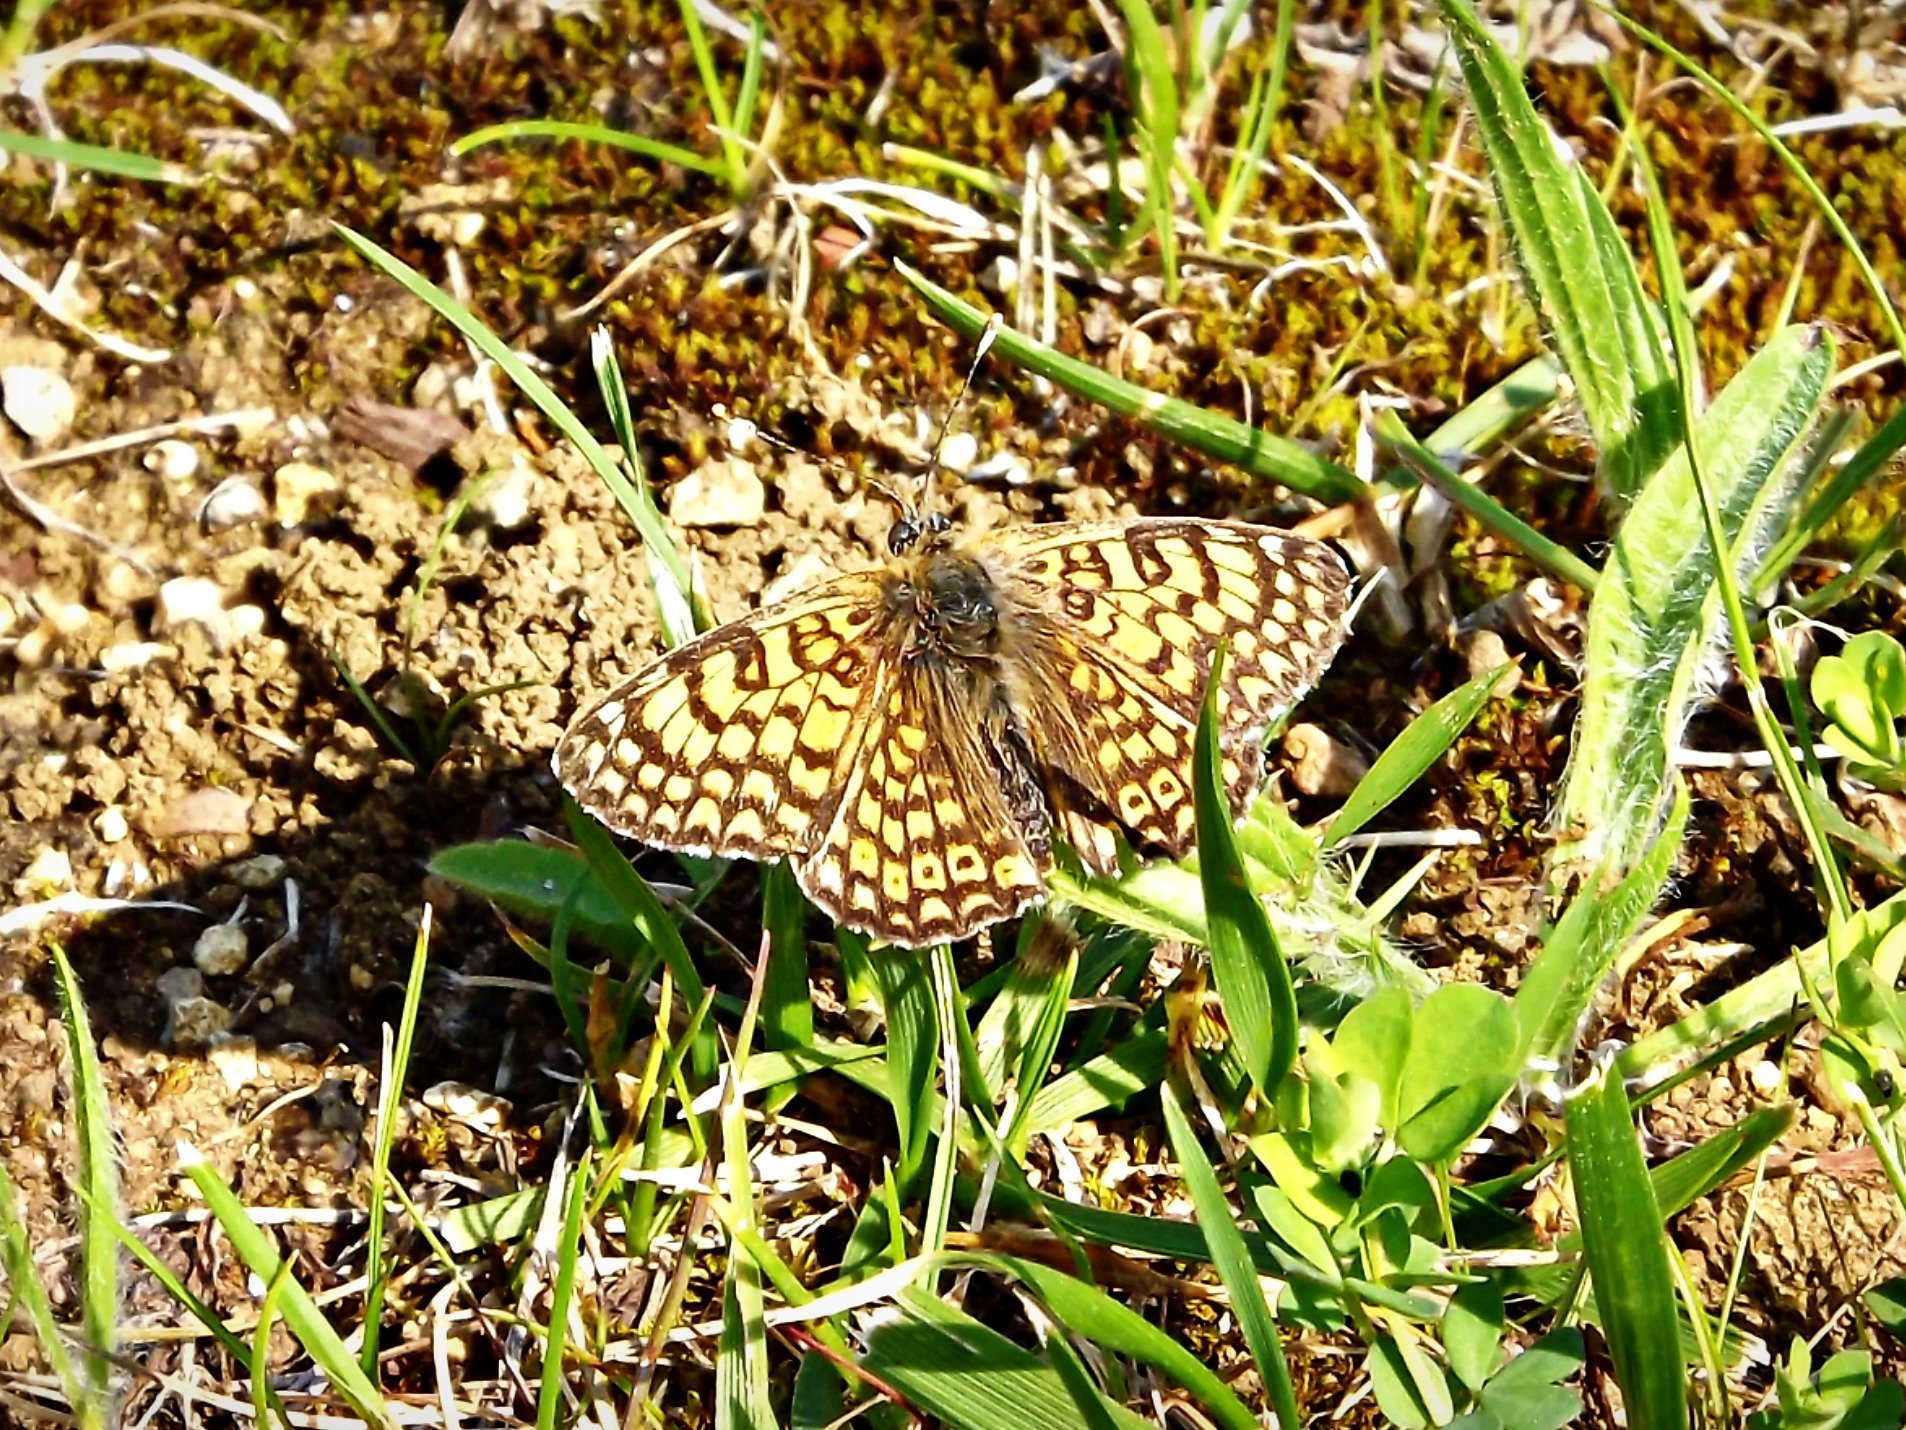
pixel 505 497
pixel 1767 1076
pixel 38 401
pixel 221 951
pixel 236 1060
pixel 959 451
pixel 467 1104
pixel 194 600
pixel 173 460
pixel 130 655
pixel 110 824
pixel 236 501
pixel 719 493
pixel 51 869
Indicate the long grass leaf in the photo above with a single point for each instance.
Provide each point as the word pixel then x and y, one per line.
pixel 302 1317
pixel 1422 743
pixel 99 1187
pixel 1221 438
pixel 655 538
pixel 1657 612
pixel 638 904
pixel 1582 278
pixel 1232 1258
pixel 1627 1254
pixel 1247 962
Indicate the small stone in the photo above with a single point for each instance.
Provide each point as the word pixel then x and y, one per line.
pixel 177 984
pixel 221 951
pixel 111 825
pixel 504 497
pixel 296 488
pixel 173 460
pixel 468 1104
pixel 722 492
pixel 1321 764
pixel 131 655
pixel 959 451
pixel 51 870
pixel 1767 1077
pixel 38 401
pixel 236 1060
pixel 262 871
pixel 236 501
pixel 195 600
pixel 209 810
pixel 64 618
pixel 194 1023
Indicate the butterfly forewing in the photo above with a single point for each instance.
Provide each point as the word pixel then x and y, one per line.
pixel 741 741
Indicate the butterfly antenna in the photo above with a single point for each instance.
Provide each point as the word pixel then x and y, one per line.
pixel 741 431
pixel 986 338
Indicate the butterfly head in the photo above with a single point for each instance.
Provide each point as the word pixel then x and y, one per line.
pixel 914 527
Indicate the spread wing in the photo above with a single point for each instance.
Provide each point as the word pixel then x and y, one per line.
pixel 1117 626
pixel 741 741
pixel 940 829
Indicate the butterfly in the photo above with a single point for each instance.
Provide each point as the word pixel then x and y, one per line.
pixel 915 739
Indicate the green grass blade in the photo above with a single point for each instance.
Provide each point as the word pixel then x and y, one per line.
pixel 31 1304
pixel 1247 963
pixel 592 134
pixel 640 907
pixel 969 1376
pixel 1154 89
pixel 1422 743
pixel 906 993
pixel 787 1003
pixel 568 1251
pixel 1088 1312
pixel 95 157
pixel 1552 557
pixel 99 1189
pixel 655 539
pixel 680 613
pixel 1795 166
pixel 1627 1254
pixel 1232 1258
pixel 1223 439
pixel 1581 277
pixel 1869 459
pixel 389 1096
pixel 1657 611
pixel 301 1314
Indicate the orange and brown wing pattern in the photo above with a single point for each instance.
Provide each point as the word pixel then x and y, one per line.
pixel 741 741
pixel 926 845
pixel 1119 625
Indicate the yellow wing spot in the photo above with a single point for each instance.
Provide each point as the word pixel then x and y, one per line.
pixel 893 882
pixel 719 783
pixel 747 825
pixel 737 742
pixel 677 788
pixel 705 816
pixel 863 859
pixel 1166 788
pixel 928 871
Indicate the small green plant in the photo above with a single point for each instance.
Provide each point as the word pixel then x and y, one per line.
pixel 1842 1396
pixel 732 117
pixel 1862 693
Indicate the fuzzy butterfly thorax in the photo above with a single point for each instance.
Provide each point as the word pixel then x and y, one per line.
pixel 914 739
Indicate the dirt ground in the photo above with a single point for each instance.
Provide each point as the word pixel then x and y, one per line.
pixel 175 614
